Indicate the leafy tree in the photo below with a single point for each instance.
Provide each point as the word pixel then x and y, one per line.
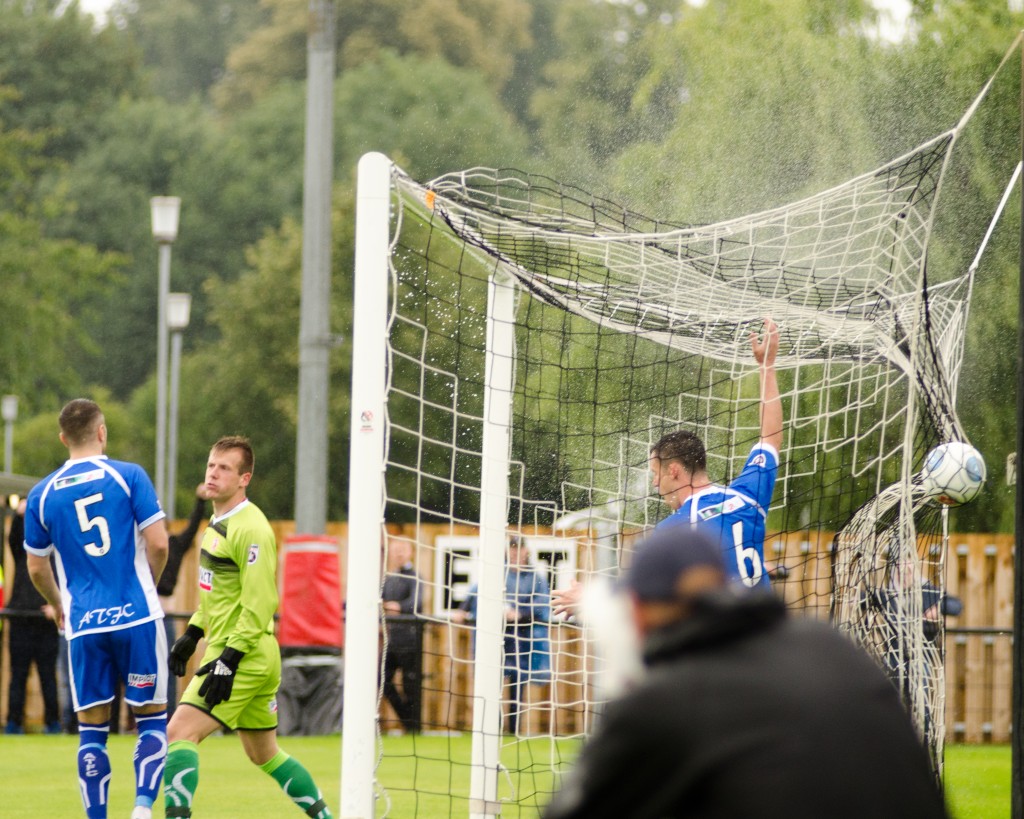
pixel 47 281
pixel 767 108
pixel 186 43
pixel 585 109
pixel 958 47
pixel 38 450
pixel 246 384
pixel 485 36
pixel 272 53
pixel 65 73
pixel 426 114
pixel 228 200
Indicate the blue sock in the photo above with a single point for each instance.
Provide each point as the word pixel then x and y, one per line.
pixel 150 754
pixel 94 768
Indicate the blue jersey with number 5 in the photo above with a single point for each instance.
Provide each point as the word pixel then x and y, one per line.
pixel 736 515
pixel 92 512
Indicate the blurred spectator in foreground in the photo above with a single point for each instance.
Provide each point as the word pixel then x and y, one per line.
pixel 743 710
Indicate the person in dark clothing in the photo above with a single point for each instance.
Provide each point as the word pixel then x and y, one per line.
pixel 32 640
pixel 177 547
pixel 403 652
pixel 743 710
pixel 910 662
pixel 527 646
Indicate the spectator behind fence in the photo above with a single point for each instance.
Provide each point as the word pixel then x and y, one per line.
pixel 743 711
pixel 401 596
pixel 909 661
pixel 33 639
pixel 177 547
pixel 527 648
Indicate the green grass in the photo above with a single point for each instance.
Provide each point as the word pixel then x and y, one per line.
pixel 978 781
pixel 39 777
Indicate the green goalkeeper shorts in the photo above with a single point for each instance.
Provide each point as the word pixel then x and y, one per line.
pixel 252 705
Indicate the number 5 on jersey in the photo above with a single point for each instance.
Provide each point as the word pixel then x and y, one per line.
pixel 99 522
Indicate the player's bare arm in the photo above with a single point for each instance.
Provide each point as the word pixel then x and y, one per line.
pixel 41 573
pixel 155 536
pixel 765 348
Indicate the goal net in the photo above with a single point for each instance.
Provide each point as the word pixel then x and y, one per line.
pixel 520 345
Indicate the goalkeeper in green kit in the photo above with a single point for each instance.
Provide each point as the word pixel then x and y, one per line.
pixel 236 685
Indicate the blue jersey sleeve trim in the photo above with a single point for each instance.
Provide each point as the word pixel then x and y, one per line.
pixel 763 445
pixel 151 520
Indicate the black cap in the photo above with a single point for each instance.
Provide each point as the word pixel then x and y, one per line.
pixel 660 560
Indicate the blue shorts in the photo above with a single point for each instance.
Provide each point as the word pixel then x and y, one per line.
pixel 136 655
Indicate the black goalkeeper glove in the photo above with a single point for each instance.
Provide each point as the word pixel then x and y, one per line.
pixel 183 648
pixel 220 676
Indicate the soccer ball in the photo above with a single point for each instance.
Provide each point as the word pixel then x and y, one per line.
pixel 953 473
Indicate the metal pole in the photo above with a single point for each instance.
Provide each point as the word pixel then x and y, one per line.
pixel 9 411
pixel 172 436
pixel 314 308
pixel 164 287
pixel 1017 711
pixel 8 445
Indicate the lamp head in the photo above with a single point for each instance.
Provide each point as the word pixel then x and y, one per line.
pixel 179 308
pixel 9 408
pixel 164 211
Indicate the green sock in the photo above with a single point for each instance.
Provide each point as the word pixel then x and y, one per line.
pixel 297 784
pixel 181 777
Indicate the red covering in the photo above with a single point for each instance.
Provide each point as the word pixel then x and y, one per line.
pixel 310 592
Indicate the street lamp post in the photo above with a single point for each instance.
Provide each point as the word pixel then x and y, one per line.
pixel 164 211
pixel 9 412
pixel 179 306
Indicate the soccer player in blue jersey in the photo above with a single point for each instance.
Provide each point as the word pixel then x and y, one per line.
pixel 102 520
pixel 735 515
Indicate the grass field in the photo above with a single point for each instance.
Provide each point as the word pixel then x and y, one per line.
pixel 38 777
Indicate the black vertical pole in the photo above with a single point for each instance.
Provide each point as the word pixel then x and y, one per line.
pixel 1017 734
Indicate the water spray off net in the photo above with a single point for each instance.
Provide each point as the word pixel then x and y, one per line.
pixel 539 340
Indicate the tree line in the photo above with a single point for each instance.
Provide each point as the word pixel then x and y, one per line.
pixel 687 111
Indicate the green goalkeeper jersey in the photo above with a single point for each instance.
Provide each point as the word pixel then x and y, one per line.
pixel 237 579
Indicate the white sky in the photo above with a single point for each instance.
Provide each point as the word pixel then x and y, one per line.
pixel 893 23
pixel 891 27
pixel 97 8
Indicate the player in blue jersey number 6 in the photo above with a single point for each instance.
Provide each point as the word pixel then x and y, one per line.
pixel 736 514
pixel 104 523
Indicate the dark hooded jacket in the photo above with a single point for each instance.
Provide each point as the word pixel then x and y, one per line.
pixel 746 712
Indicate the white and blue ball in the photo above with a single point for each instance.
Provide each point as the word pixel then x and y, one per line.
pixel 953 473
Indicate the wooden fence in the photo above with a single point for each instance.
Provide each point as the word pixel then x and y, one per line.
pixel 979 569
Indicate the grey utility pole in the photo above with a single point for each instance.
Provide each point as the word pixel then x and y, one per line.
pixel 314 316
